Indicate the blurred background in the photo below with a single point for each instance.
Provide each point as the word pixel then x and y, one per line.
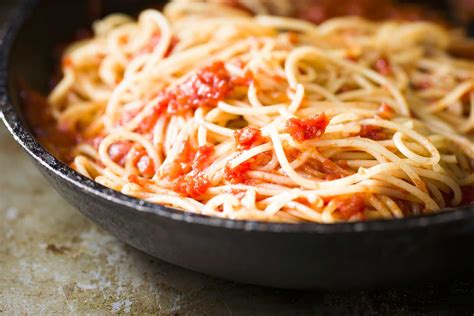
pixel 457 11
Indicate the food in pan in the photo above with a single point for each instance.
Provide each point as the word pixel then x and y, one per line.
pixel 209 109
pixel 318 11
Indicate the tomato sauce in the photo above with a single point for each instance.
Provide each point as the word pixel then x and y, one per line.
pixel 329 169
pixel 202 158
pixel 192 185
pixel 385 111
pixel 240 194
pixel 372 132
pixel 143 163
pixel 425 84
pixel 305 129
pixel 332 170
pixel 154 41
pixel 133 178
pixel 44 126
pixel 118 151
pixel 383 67
pixel 204 89
pixel 346 207
pixel 146 166
pixel 183 164
pixel 238 174
pixel 404 206
pixel 319 11
pixel 147 123
pixel 467 195
pixel 248 137
pixel 189 180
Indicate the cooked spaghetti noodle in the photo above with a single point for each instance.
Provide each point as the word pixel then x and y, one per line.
pixel 210 110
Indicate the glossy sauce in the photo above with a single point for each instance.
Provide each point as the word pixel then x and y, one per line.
pixel 143 163
pixel 118 151
pixel 346 207
pixel 190 181
pixel 319 11
pixel 248 137
pixel 383 67
pixel 305 129
pixel 372 132
pixel 205 89
pixel 385 112
pixel 44 126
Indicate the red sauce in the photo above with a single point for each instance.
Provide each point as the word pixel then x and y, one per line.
pixel 404 206
pixel 347 87
pixel 118 151
pixel 248 137
pixel 347 207
pixel 193 185
pixel 150 47
pixel 240 194
pixel 293 38
pixel 239 174
pixel 372 132
pixel 304 129
pixel 183 164
pixel 146 166
pixel 244 81
pixel 383 67
pixel 425 84
pixel 466 98
pixel 202 158
pixel 173 44
pixel 343 163
pixel 67 62
pixel 133 178
pixel 204 89
pixel 123 39
pixel 320 10
pixel 385 111
pixel 147 123
pixel 332 170
pixel 353 56
pixel 468 194
pixel 44 126
pixel 328 168
pixel 190 181
pixel 143 163
pixel 95 142
pixel 155 40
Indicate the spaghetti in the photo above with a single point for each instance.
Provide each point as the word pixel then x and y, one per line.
pixel 211 110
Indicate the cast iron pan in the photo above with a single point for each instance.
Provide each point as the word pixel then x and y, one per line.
pixel 340 256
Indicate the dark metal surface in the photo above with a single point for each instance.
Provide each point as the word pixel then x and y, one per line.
pixel 337 256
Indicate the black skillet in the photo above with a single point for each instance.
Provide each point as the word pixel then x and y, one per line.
pixel 340 256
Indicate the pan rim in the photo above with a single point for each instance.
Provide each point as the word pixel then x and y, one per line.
pixel 22 136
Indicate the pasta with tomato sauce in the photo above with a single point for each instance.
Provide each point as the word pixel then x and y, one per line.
pixel 209 109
